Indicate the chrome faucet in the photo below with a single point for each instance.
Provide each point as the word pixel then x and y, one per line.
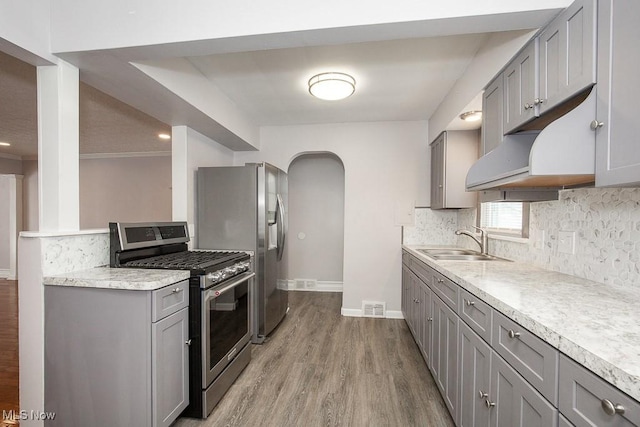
pixel 484 238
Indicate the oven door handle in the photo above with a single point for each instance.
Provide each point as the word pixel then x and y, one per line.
pixel 219 291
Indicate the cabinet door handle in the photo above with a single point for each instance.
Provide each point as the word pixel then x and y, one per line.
pixel 482 394
pixel 188 342
pixel 176 290
pixel 417 301
pixel 610 408
pixel 528 106
pixel 513 334
pixel 429 319
pixel 538 101
pixel 489 404
pixel 439 280
pixel 594 125
pixel 469 302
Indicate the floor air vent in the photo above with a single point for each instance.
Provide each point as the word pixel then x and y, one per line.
pixel 373 309
pixel 305 283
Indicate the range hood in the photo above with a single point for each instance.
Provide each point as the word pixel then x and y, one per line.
pixel 560 155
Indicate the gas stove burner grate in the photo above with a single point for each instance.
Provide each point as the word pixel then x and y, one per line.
pixel 187 260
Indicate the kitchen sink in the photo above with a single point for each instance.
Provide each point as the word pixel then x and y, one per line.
pixel 446 254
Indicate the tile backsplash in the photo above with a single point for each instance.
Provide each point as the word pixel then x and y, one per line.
pixel 431 227
pixel 606 223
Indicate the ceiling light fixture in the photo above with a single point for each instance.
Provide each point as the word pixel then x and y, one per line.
pixel 164 136
pixel 332 86
pixel 5 144
pixel 471 116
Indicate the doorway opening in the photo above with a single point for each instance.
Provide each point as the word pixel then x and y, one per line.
pixel 315 247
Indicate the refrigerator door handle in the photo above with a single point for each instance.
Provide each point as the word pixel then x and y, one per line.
pixel 281 225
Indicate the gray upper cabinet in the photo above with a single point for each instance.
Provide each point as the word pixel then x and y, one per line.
pixel 567 54
pixel 521 88
pixel 492 102
pixel 452 154
pixel 617 143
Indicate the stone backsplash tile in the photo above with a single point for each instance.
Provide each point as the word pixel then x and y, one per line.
pixel 606 223
pixel 431 227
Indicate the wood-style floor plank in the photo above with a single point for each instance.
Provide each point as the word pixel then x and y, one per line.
pixel 321 369
pixel 9 374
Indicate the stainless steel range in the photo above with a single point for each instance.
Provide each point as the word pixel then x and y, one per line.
pixel 220 290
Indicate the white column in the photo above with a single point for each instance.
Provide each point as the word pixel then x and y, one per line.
pixel 58 147
pixel 179 174
pixel 15 222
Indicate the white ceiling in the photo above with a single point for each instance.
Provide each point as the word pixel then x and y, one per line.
pixel 396 80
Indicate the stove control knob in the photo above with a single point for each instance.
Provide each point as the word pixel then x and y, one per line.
pixel 215 277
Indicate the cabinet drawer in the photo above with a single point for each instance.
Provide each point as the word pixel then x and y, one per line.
pixel 168 300
pixel 446 289
pixel 584 397
pixel 423 271
pixel 476 313
pixel 533 358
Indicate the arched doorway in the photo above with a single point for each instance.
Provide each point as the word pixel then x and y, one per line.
pixel 315 249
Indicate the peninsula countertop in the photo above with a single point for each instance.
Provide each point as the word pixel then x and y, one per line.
pixel 595 324
pixel 134 279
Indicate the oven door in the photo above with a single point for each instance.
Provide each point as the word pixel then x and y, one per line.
pixel 225 324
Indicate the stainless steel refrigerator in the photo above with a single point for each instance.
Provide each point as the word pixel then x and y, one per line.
pixel 244 208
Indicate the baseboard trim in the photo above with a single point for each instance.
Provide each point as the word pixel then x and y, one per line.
pixel 356 312
pixel 320 286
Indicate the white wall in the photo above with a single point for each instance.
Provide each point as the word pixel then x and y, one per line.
pixel 191 150
pixel 5 215
pixel 385 165
pixel 10 166
pixel 124 189
pixel 315 244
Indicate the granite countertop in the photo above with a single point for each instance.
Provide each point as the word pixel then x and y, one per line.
pixel 597 325
pixel 134 279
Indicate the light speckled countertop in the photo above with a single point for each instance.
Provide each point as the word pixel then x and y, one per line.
pixel 133 279
pixel 597 325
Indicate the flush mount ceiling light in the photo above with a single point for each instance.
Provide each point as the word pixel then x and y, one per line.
pixel 5 144
pixel 471 116
pixel 164 136
pixel 332 86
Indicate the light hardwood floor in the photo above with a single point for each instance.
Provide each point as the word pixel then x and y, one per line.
pixel 9 396
pixel 322 369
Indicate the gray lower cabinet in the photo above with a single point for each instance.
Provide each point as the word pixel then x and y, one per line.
pixel 444 359
pixel 169 367
pixel 492 372
pixel 563 422
pixel 116 357
pixel 513 402
pixel 474 379
pixel 587 400
pixel 617 143
pixel 533 358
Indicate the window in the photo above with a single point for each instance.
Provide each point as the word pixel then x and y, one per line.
pixel 506 218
